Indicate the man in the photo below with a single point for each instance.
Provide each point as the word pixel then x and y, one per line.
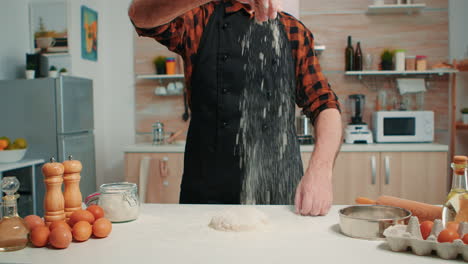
pixel 241 144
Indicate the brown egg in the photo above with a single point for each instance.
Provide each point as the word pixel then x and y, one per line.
pixel 96 210
pixel 81 215
pixel 40 236
pixel 72 166
pixel 32 221
pixel 102 227
pixel 60 223
pixel 60 237
pixel 52 169
pixel 82 231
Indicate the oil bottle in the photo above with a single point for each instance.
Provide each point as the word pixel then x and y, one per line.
pixel 13 229
pixel 458 192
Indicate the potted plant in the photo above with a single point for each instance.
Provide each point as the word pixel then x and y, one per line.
pixel 464 112
pixel 160 64
pixel 387 60
pixel 63 72
pixel 30 70
pixel 53 72
pixel 44 38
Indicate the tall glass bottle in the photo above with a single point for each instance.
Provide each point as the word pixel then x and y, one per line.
pixel 349 55
pixel 458 191
pixel 13 229
pixel 358 58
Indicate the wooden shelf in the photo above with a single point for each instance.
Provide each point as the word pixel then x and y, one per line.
pixel 402 73
pixel 395 9
pixel 462 126
pixel 159 76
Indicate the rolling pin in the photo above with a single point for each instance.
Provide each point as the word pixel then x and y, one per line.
pixel 424 212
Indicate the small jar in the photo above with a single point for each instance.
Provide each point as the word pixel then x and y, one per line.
pixel 400 60
pixel 119 201
pixel 158 133
pixel 170 66
pixel 410 63
pixel 421 63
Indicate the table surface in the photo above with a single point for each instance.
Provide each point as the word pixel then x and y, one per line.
pixel 20 164
pixel 180 234
pixel 389 147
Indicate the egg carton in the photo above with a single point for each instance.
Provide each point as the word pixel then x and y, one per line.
pixel 408 237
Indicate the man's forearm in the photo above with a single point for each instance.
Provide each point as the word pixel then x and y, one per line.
pixel 328 134
pixel 153 13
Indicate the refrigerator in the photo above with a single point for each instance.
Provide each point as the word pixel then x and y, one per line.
pixel 55 116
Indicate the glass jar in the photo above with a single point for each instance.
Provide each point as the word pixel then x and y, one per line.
pixel 158 133
pixel 421 63
pixel 170 66
pixel 13 229
pixel 400 60
pixel 119 200
pixel 410 63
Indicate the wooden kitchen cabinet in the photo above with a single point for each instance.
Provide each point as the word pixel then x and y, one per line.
pixel 355 174
pixel 145 169
pixel 418 176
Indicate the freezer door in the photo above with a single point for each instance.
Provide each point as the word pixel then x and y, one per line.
pixel 74 105
pixel 81 147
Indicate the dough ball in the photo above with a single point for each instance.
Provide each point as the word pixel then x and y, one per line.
pixel 238 219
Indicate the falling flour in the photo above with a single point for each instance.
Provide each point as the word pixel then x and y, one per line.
pixel 270 163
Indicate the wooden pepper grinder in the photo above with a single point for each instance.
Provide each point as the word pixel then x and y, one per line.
pixel 53 200
pixel 72 193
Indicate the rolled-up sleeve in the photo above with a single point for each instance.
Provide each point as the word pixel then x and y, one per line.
pixel 170 35
pixel 313 93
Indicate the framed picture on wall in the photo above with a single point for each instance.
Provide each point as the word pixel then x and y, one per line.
pixel 89 34
pixel 49 29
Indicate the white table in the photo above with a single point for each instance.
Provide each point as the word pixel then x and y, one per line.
pixel 32 163
pixel 179 234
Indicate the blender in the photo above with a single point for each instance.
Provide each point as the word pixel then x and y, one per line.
pixel 357 132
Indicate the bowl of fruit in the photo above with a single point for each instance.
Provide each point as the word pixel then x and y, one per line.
pixel 12 151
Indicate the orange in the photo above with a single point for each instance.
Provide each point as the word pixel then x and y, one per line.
pixel 3 143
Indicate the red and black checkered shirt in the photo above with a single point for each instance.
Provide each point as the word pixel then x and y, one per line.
pixel 183 35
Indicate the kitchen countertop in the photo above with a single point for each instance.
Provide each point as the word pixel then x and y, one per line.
pixel 180 234
pixel 390 147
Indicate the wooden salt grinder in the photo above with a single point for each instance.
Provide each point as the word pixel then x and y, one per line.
pixel 53 200
pixel 72 192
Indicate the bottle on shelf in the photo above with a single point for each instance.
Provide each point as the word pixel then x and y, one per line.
pixel 349 55
pixel 358 58
pixel 458 193
pixel 13 229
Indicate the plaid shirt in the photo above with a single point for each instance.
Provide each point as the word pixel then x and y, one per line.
pixel 183 35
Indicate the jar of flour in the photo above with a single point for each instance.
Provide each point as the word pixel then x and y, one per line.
pixel 119 201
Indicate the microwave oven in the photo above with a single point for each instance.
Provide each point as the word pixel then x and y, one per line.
pixel 403 126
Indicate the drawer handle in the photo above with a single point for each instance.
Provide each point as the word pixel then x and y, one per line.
pixel 164 170
pixel 374 169
pixel 387 170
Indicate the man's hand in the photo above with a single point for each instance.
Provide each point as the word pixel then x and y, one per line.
pixel 314 193
pixel 264 9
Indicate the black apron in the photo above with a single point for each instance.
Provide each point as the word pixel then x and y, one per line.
pixel 218 162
